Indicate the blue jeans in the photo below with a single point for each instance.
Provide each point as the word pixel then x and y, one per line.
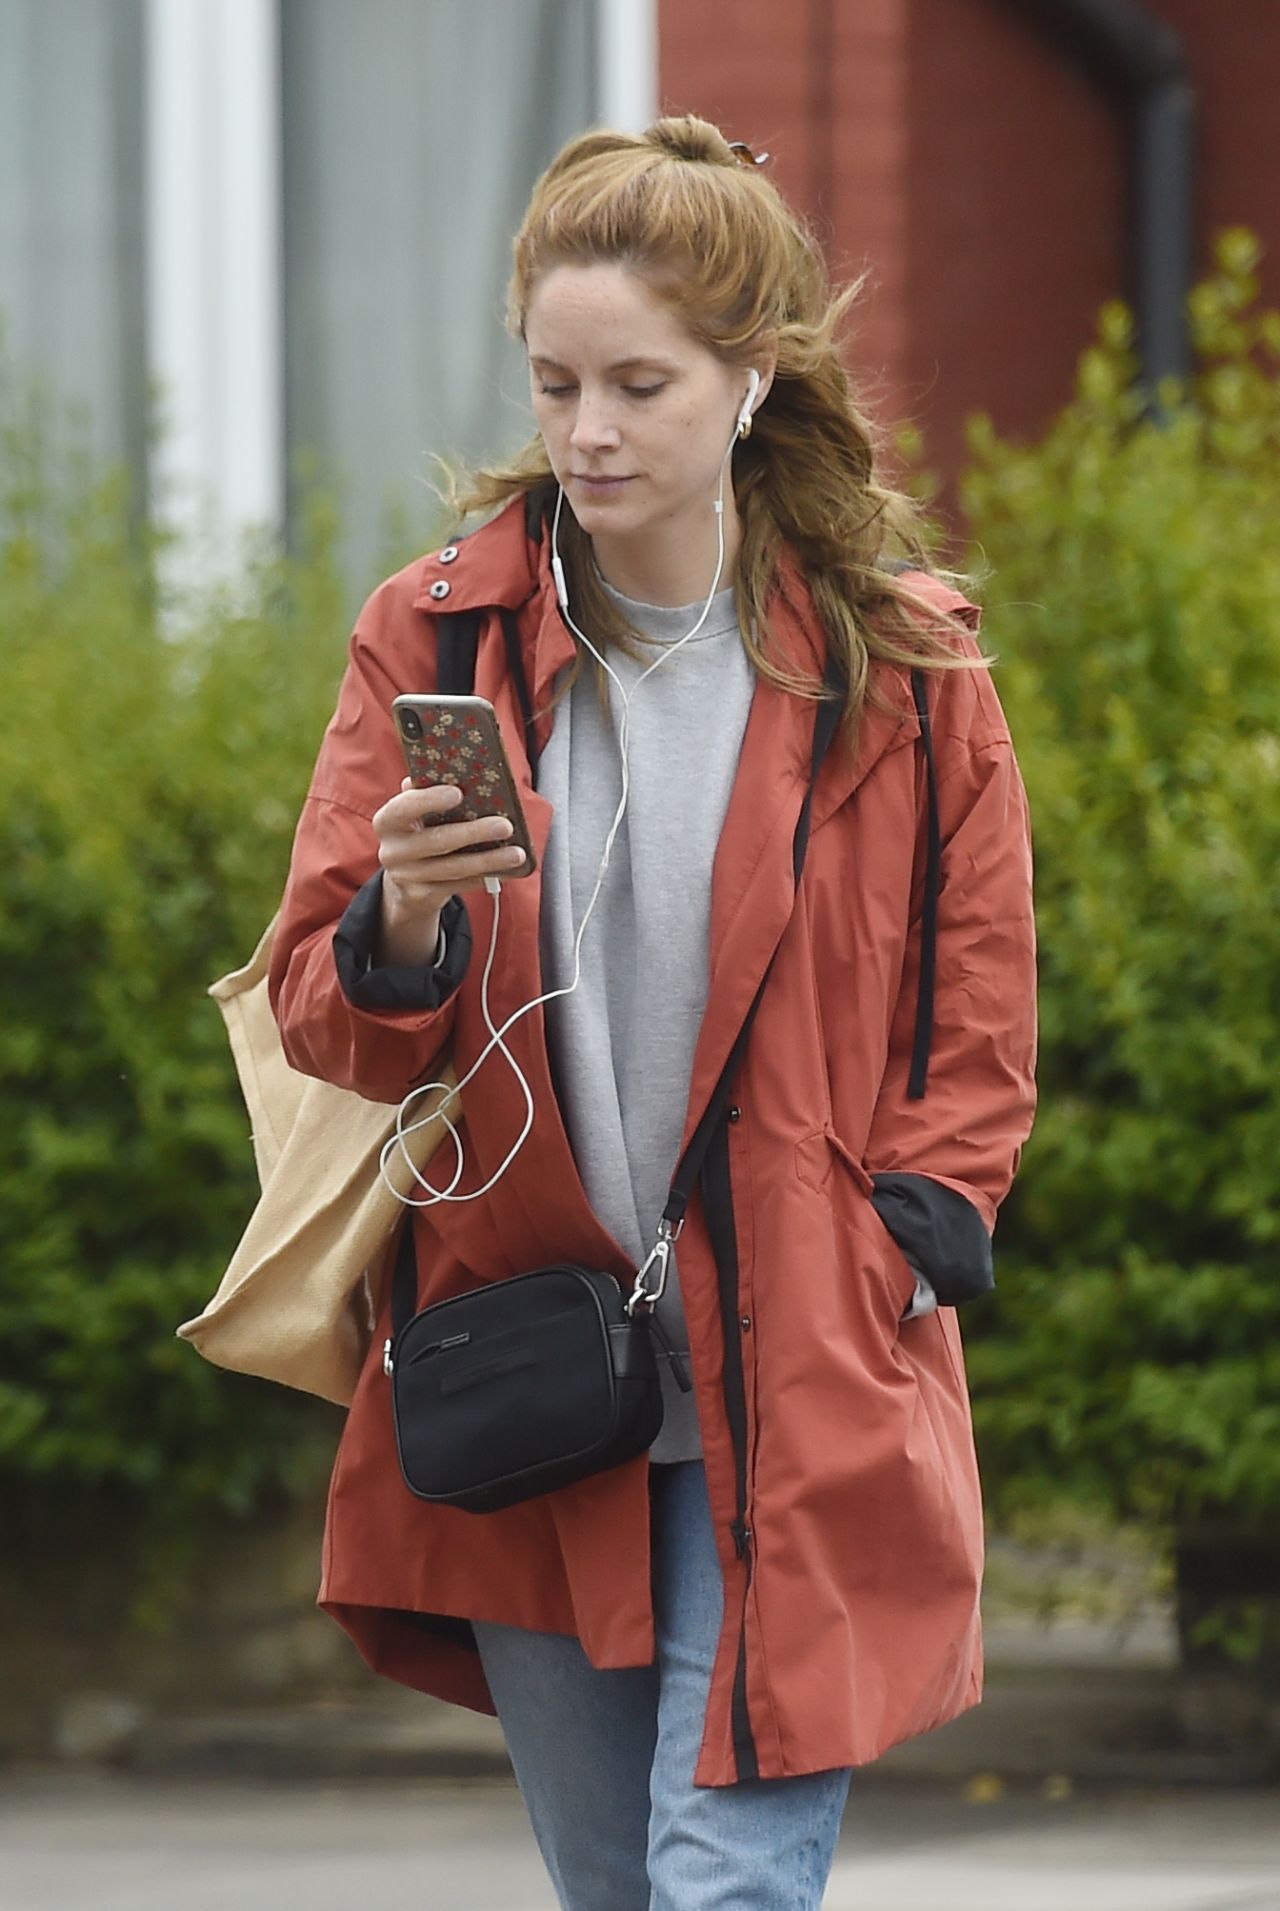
pixel 604 1760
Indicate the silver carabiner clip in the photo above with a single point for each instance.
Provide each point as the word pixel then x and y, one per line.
pixel 660 1257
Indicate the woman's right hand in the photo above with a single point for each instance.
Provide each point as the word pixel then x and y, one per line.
pixel 425 860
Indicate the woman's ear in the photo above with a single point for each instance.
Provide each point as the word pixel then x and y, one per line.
pixel 765 361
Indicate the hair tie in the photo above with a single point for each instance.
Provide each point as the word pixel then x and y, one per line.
pixel 744 155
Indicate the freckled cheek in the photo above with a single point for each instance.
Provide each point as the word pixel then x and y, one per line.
pixel 699 436
pixel 676 438
pixel 555 436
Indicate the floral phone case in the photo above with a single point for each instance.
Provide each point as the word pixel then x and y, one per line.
pixel 457 740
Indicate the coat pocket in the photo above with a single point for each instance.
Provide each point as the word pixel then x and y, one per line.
pixel 825 1164
pixel 817 1157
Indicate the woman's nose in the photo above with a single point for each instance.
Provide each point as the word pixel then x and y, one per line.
pixel 594 427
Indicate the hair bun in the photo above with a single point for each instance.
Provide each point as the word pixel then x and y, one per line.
pixel 688 137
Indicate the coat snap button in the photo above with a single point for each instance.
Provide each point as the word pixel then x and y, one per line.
pixel 448 554
pixel 745 1323
pixel 735 1113
pixel 439 589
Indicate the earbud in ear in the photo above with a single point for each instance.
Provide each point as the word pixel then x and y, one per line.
pixel 744 416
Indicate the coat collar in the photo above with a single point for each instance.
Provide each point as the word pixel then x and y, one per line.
pixel 494 567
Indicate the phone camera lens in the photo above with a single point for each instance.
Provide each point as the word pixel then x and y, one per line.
pixel 411 723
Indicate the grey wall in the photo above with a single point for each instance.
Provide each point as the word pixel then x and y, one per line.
pixel 412 135
pixel 72 291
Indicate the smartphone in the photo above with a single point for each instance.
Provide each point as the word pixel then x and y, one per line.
pixel 457 740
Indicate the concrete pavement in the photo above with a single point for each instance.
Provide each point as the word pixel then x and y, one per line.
pixel 109 1843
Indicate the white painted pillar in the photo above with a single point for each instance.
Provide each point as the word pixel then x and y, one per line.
pixel 214 266
pixel 627 73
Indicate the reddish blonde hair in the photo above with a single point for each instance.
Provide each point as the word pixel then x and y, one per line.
pixel 709 233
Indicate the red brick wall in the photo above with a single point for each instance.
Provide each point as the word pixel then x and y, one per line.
pixel 868 215
pixel 983 177
pixel 1017 182
pixel 741 64
pixel 820 85
pixel 1020 176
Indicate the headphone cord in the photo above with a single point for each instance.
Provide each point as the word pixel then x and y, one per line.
pixel 397 1142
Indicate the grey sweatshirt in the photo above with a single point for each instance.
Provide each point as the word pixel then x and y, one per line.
pixel 622 1044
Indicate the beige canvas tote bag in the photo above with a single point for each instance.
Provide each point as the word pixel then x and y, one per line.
pixel 296 1303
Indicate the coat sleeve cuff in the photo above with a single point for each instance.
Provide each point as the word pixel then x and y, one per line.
pixel 412 986
pixel 942 1236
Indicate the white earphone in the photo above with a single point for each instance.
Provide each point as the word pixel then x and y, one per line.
pixel 396 1142
pixel 748 403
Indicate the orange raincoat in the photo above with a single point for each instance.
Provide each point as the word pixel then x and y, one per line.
pixel 838 1445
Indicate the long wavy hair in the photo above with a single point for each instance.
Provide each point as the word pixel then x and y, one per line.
pixel 705 230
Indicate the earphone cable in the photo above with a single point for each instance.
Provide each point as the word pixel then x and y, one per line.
pixel 398 1141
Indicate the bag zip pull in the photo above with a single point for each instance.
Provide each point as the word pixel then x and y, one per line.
pixel 433 1347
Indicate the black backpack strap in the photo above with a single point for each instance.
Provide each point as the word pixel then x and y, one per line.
pixel 515 664
pixel 459 642
pixel 456 665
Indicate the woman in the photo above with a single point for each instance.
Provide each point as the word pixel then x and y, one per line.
pixel 690 1652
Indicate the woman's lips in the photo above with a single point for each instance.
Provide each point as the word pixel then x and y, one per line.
pixel 599 487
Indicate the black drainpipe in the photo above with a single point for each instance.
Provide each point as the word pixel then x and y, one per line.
pixel 1144 62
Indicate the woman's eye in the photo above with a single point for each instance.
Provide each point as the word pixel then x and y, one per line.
pixel 631 391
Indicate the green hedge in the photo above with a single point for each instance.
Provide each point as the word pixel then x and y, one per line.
pixel 1134 1357
pixel 152 762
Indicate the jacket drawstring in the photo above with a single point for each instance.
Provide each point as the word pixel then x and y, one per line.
pixel 929 919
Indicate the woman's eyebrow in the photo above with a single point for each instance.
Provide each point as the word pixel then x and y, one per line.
pixel 620 365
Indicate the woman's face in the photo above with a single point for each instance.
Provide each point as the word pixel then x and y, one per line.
pixel 636 414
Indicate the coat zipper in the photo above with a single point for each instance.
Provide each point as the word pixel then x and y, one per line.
pixel 718 1203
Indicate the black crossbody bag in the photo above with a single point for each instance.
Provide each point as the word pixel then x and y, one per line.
pixel 525 1385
